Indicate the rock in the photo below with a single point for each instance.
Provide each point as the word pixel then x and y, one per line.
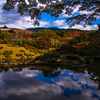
pixel 15 63
pixel 10 58
pixel 22 57
pixel 25 52
pixel 16 58
pixel 78 63
pixel 33 57
pixel 3 58
pixel 5 63
pixel 19 63
pixel 26 63
pixel 11 63
pixel 28 58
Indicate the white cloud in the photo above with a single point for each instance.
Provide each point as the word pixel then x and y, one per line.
pixel 86 12
pixel 75 9
pixel 26 1
pixel 26 23
pixel 59 22
pixel 62 15
pixel 2 2
pixel 43 23
pixel 88 27
pixel 13 20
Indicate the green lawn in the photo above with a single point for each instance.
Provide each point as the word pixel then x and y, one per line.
pixel 15 50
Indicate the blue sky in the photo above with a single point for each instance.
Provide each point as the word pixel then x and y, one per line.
pixel 13 20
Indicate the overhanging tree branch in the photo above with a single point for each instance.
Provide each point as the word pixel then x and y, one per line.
pixel 56 7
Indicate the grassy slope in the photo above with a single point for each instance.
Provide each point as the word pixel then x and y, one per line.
pixel 21 31
pixel 15 50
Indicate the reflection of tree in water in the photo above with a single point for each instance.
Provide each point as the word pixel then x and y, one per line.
pixel 2 68
pixel 56 7
pixel 94 72
pixel 47 71
pixel 79 70
pixel 51 73
pixel 17 69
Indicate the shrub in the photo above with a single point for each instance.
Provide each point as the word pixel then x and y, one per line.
pixel 35 51
pixel 30 54
pixel 52 57
pixel 1 47
pixel 76 57
pixel 19 54
pixel 22 50
pixel 31 50
pixel 73 57
pixel 7 53
pixel 26 48
pixel 39 51
pixel 25 54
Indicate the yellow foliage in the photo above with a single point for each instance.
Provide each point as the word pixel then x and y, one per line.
pixel 58 60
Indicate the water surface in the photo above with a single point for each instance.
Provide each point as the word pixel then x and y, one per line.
pixel 46 83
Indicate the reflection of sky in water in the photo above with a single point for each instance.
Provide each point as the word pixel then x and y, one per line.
pixel 32 85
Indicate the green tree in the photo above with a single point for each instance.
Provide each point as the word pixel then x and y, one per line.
pixel 61 33
pixel 7 53
pixel 50 57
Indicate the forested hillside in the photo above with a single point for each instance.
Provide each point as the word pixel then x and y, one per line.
pixel 52 44
pixel 50 28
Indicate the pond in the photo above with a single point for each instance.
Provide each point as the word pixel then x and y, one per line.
pixel 50 83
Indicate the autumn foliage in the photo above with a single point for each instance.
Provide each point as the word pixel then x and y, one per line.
pixel 71 41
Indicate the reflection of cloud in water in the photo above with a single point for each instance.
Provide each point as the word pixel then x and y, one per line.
pixel 83 84
pixel 29 73
pixel 17 84
pixel 22 86
pixel 67 82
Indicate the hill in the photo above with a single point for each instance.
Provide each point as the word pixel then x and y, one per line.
pixel 51 28
pixel 21 31
pixel 15 30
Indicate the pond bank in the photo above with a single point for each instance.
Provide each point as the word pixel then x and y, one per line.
pixel 64 61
